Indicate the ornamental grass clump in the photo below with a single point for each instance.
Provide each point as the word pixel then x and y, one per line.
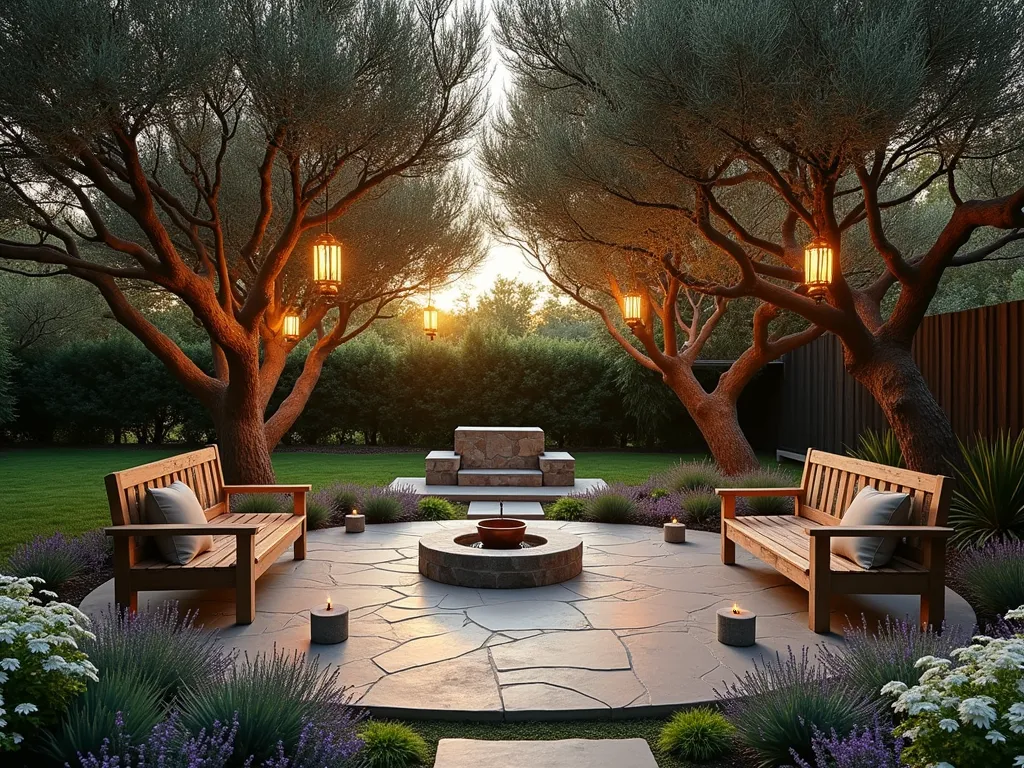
pixel 698 734
pixel 991 578
pixel 392 745
pixel 258 504
pixel 692 476
pixel 700 509
pixel 318 512
pixel 175 652
pixel 345 498
pixel 988 500
pixel 968 709
pixel 275 697
pixel 42 667
pixel 435 508
pixel 765 478
pixel 870 659
pixel 389 505
pixel 610 507
pixel 778 705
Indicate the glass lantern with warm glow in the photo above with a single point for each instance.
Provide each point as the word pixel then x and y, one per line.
pixel 291 326
pixel 327 264
pixel 430 321
pixel 818 258
pixel 631 305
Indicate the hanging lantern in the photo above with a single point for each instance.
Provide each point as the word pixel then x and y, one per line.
pixel 327 264
pixel 818 259
pixel 631 305
pixel 291 326
pixel 430 321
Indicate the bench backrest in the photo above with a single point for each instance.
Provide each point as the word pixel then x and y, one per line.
pixel 199 470
pixel 830 483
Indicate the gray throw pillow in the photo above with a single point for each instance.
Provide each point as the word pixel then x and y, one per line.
pixel 871 507
pixel 177 504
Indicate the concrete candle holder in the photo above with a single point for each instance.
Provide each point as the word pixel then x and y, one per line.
pixel 328 625
pixel 355 523
pixel 737 627
pixel 675 532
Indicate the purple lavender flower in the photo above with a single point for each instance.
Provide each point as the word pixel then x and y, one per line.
pixel 870 748
pixel 56 559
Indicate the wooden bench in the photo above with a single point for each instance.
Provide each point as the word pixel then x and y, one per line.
pixel 244 545
pixel 798 545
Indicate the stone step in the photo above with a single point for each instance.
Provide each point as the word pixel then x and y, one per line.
pixel 592 753
pixel 559 467
pixel 442 468
pixel 523 478
pixel 520 510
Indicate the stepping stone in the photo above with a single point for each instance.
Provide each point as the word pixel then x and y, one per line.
pixel 521 510
pixel 592 753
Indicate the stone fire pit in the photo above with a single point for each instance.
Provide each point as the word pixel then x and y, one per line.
pixel 456 557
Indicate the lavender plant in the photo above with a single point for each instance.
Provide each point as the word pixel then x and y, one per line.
pixel 318 511
pixel 275 697
pixel 176 652
pixel 991 577
pixel 383 504
pixel 775 477
pixel 56 559
pixel 870 659
pixel 701 509
pixel 873 747
pixel 778 705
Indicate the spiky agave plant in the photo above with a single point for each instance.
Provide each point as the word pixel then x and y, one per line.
pixel 988 502
pixel 879 448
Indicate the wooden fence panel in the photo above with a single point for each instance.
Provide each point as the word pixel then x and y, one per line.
pixel 973 362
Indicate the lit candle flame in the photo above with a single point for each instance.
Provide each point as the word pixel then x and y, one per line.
pixel 735 608
pixel 329 604
pixel 354 511
pixel 675 521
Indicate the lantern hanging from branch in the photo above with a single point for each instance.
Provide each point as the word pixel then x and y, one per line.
pixel 430 317
pixel 818 263
pixel 326 257
pixel 292 322
pixel 631 306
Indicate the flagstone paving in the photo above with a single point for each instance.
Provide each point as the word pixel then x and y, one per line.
pixel 633 634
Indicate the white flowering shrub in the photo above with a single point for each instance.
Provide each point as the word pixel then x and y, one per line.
pixel 41 667
pixel 968 710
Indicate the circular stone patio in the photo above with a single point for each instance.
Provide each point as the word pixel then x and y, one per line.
pixel 633 635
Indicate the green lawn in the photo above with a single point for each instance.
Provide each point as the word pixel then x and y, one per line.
pixel 51 489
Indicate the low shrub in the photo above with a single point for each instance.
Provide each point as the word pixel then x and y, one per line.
pixel 44 668
pixel 435 508
pixel 659 493
pixel 700 508
pixel 966 712
pixel 693 476
pixel 122 700
pixel 318 514
pixel 610 508
pixel 879 448
pixel 568 508
pixel 872 748
pixel 868 660
pixel 56 559
pixel 991 578
pixel 276 696
pixel 778 705
pixel 765 478
pixel 698 734
pixel 258 504
pixel 175 652
pixel 988 502
pixel 392 745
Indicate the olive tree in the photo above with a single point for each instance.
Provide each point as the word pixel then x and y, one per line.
pixel 196 147
pixel 891 130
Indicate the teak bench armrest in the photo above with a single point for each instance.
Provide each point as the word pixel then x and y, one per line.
pixel 230 489
pixel 924 531
pixel 760 491
pixel 184 529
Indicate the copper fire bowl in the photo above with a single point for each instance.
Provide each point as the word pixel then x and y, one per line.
pixel 501 533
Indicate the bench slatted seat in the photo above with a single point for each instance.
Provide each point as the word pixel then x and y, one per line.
pixel 244 545
pixel 798 545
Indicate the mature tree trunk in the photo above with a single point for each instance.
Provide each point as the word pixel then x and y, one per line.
pixel 242 437
pixel 917 420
